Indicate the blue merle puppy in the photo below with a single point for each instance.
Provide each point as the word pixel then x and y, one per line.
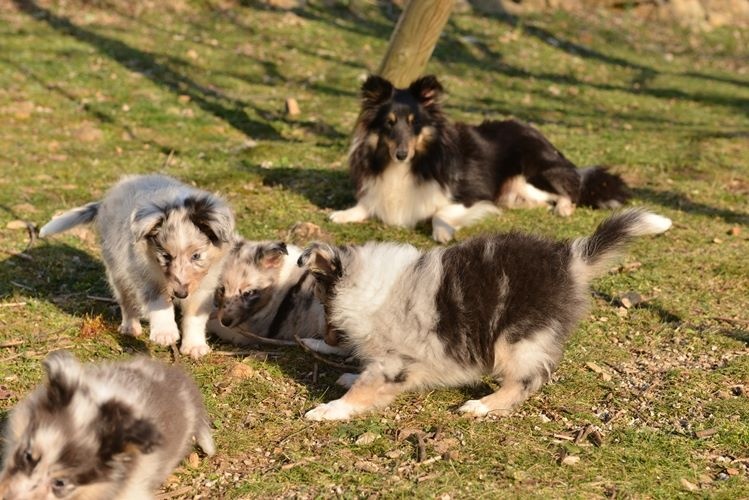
pixel 500 305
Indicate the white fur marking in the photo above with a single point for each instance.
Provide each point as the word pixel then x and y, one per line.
pixel 335 410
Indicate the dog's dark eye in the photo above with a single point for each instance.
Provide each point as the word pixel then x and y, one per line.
pixel 166 257
pixel 28 458
pixel 248 294
pixel 61 486
pixel 196 256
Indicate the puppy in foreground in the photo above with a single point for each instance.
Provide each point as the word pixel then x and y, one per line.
pixel 500 305
pixel 112 430
pixel 162 242
pixel 410 163
pixel 265 293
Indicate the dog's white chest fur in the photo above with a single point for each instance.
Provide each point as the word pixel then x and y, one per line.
pixel 398 198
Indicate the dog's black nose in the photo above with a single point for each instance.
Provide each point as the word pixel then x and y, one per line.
pixel 401 155
pixel 180 293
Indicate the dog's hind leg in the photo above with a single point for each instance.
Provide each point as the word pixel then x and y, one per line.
pixel 523 366
pixel 373 388
pixel 129 307
pixel 450 218
pixel 511 394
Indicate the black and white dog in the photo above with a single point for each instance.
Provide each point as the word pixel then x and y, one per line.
pixel 500 305
pixel 410 163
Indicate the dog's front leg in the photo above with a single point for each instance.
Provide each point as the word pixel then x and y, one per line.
pixel 164 329
pixel 372 389
pixel 357 213
pixel 450 218
pixel 195 312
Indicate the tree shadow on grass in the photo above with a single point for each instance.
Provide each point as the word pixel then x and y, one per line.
pixel 145 63
pixel 324 188
pixel 680 201
pixel 71 279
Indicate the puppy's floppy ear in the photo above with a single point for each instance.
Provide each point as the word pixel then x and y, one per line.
pixel 271 255
pixel 376 90
pixel 212 217
pixel 427 90
pixel 63 377
pixel 118 430
pixel 323 261
pixel 146 221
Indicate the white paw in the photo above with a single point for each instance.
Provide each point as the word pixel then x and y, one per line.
pixel 335 410
pixel 165 336
pixel 564 208
pixel 347 380
pixel 350 215
pixel 131 328
pixel 442 234
pixel 474 407
pixel 195 351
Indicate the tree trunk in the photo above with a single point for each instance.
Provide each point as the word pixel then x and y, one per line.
pixel 414 39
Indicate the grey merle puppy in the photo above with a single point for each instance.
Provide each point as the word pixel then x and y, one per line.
pixel 499 305
pixel 162 241
pixel 112 430
pixel 264 293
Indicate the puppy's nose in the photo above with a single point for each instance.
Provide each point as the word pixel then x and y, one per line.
pixel 401 154
pixel 180 292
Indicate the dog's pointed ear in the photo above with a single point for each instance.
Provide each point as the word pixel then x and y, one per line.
pixel 271 255
pixel 427 90
pixel 63 377
pixel 322 260
pixel 119 431
pixel 376 90
pixel 146 221
pixel 212 217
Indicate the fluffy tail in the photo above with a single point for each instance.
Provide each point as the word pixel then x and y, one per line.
pixel 601 189
pixel 610 237
pixel 70 219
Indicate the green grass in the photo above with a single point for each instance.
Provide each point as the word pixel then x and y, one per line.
pixel 90 91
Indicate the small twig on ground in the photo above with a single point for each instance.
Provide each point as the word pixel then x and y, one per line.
pixel 246 352
pixel 172 494
pixel 22 255
pixel 99 298
pixel 168 159
pixel 11 343
pixel 21 285
pixel 421 448
pixel 317 356
pixel 730 320
pixel 13 304
pixel 175 353
pixel 266 340
pixel 294 433
pixel 31 229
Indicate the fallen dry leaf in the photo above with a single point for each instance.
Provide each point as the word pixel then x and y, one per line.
pixel 606 376
pixel 367 438
pixel 241 371
pixel 689 486
pixel 292 107
pixel 87 132
pixel 193 460
pixel 17 224
pixel 570 460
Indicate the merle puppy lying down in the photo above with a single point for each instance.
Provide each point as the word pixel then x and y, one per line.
pixel 500 305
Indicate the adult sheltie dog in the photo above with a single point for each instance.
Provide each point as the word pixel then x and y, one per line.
pixel 410 163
